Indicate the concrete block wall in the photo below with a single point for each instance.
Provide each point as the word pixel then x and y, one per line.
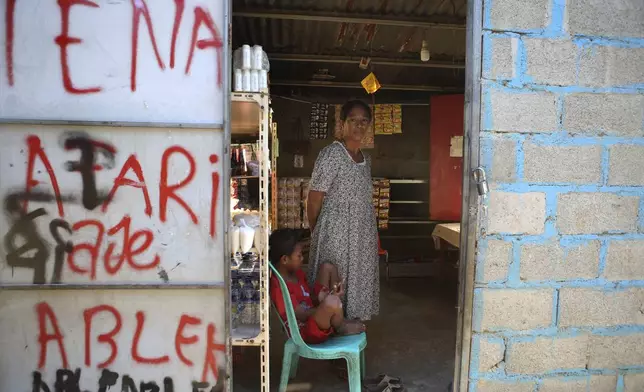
pixel 559 293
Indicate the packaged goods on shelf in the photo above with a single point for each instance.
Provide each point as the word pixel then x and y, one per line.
pixel 383 224
pixel 319 121
pixel 292 193
pixel 245 298
pixel 244 160
pixel 381 201
pixel 242 233
pixel 388 119
pixel 241 199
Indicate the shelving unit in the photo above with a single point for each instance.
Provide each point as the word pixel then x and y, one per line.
pixel 251 119
pixel 403 220
pixel 409 226
pixel 274 155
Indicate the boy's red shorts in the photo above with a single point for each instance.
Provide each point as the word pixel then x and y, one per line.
pixel 312 334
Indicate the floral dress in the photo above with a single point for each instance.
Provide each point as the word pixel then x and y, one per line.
pixel 345 233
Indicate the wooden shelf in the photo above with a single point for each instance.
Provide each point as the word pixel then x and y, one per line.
pixel 244 177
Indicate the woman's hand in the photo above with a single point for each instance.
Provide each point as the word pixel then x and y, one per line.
pixel 313 207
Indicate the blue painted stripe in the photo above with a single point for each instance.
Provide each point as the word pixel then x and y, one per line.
pixel 563 188
pixel 486 110
pixel 620 387
pixel 641 215
pixel 518 336
pixel 564 139
pixel 521 75
pixel 514 270
pixel 560 374
pixel 605 164
pixel 603 252
pixel 475 356
pixel 487 14
pixel 515 86
pixel 599 283
pixel 594 41
pixel 477 311
pixel 579 39
pixel 558 13
pixel 565 239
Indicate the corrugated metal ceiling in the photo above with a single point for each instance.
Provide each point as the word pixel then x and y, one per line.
pixel 302 37
pixel 454 8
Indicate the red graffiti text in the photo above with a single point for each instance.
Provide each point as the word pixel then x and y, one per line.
pixel 141 23
pixel 191 330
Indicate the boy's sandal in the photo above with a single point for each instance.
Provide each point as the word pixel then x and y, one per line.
pixel 382 379
pixel 385 388
pixel 385 383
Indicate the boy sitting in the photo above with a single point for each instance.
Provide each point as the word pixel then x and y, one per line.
pixel 319 315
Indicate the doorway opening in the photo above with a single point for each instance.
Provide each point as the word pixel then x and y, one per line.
pixel 319 53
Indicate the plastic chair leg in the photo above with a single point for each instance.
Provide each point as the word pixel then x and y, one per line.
pixel 353 367
pixel 363 365
pixel 289 350
pixel 295 360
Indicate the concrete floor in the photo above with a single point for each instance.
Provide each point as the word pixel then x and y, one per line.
pixel 413 338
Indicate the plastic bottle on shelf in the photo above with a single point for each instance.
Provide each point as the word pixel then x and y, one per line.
pixel 257 298
pixel 257 61
pixel 235 299
pixel 248 294
pixel 263 80
pixel 239 80
pixel 246 57
pixel 254 81
pixel 234 239
pixel 246 80
pixel 256 306
pixel 246 236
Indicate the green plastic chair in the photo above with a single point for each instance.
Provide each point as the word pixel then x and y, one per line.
pixel 350 348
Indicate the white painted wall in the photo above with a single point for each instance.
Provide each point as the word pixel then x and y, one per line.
pixel 186 250
pixel 32 89
pixel 103 59
pixel 22 348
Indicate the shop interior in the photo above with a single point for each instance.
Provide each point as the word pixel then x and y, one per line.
pixel 314 56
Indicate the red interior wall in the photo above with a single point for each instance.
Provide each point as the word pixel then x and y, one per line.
pixel 445 172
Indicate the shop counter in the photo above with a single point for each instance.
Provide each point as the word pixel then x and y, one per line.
pixel 449 232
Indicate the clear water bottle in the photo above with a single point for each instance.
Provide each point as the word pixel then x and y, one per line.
pixel 256 307
pixel 247 301
pixel 256 297
pixel 235 299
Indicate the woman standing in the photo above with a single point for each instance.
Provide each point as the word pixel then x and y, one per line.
pixel 341 214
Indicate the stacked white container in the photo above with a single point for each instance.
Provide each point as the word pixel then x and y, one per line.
pixel 251 68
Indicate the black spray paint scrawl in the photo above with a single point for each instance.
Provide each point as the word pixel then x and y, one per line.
pixel 90 150
pixel 68 381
